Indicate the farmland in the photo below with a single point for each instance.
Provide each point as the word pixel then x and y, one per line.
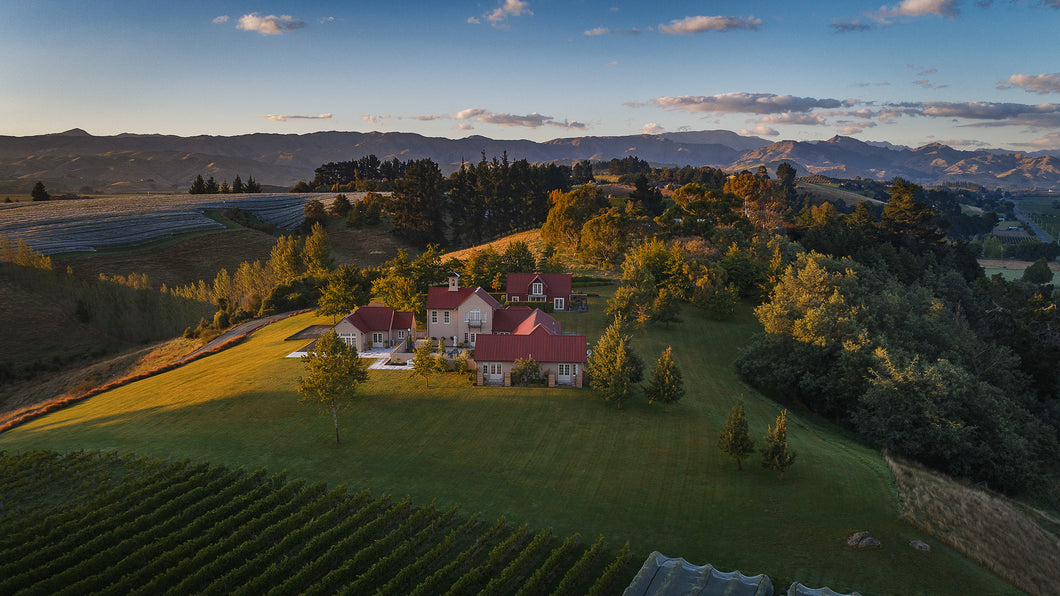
pixel 551 458
pixel 133 524
pixel 53 227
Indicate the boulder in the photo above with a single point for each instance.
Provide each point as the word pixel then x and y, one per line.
pixel 920 545
pixel 862 540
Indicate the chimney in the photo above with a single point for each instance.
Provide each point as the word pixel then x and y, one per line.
pixel 454 281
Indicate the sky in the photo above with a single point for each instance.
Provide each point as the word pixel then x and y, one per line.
pixel 967 74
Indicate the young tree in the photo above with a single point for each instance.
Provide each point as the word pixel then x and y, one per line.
pixel 775 454
pixel 424 363
pixel 333 373
pixel 666 384
pixel 735 440
pixel 39 193
pixel 664 308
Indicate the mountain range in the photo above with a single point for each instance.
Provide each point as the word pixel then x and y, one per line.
pixel 75 161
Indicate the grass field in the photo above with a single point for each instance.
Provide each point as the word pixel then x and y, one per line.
pixel 558 458
pixel 834 194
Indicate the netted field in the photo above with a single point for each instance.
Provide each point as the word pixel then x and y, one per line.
pixel 92 224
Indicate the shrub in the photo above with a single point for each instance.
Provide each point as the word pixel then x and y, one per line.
pixel 527 372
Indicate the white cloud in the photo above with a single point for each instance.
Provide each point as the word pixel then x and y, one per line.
pixel 465 126
pixel 510 8
pixel 286 117
pixel 375 118
pixel 469 113
pixel 327 20
pixel 795 119
pixel 919 8
pixel 652 128
pixel 425 117
pixel 605 31
pixel 853 128
pixel 221 19
pixel 1040 84
pixel 474 21
pixel 531 120
pixel 746 103
pixel 701 24
pixel 268 25
pixel 760 130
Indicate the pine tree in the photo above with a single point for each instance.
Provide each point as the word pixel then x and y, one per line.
pixel 315 254
pixel 198 187
pixel 666 384
pixel 237 185
pixel 735 439
pixel 607 367
pixel 775 454
pixel 39 193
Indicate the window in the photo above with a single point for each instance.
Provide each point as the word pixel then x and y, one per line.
pixel 564 370
pixel 513 299
pixel 445 317
pixel 465 338
pixel 434 316
pixel 557 304
pixel 475 315
pixel 538 288
pixel 472 339
pixel 401 334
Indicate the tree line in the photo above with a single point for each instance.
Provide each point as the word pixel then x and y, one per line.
pixel 210 186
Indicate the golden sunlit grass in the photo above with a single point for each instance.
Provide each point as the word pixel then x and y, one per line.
pixel 1015 541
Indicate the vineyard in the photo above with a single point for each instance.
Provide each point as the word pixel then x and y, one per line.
pixel 90 522
pixel 53 227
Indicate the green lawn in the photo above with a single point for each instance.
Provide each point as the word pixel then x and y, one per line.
pixel 559 458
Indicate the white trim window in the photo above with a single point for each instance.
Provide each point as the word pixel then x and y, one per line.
pixel 434 317
pixel 472 340
pixel 514 298
pixel 558 304
pixel 445 317
pixel 537 288
pixel 401 334
pixel 377 337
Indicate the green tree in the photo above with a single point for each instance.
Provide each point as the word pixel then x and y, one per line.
pixel 665 307
pixel 604 238
pixel 569 212
pixel 252 185
pixel 347 288
pixel 735 440
pixel 424 363
pixel 211 186
pixel 1038 273
pixel 285 259
pixel 775 454
pixel 225 189
pixel 613 366
pixel 39 193
pixel 198 187
pixel 666 384
pixel 992 248
pixel 333 372
pixel 315 253
pixel 340 206
pixel 237 185
pixel 314 213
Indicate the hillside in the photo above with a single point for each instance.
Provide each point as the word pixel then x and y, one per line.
pixel 557 458
pixel 76 161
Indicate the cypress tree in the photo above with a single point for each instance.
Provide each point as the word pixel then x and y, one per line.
pixel 666 384
pixel 775 454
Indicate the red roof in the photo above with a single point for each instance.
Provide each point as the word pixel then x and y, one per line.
pixel 442 298
pixel 539 345
pixel 375 317
pixel 521 320
pixel 555 284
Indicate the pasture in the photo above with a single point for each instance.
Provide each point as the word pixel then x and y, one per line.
pixel 556 458
pixel 1043 211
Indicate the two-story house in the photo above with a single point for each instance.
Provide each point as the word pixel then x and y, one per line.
pixel 458 315
pixel 554 288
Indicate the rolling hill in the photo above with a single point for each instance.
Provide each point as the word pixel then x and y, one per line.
pixel 76 161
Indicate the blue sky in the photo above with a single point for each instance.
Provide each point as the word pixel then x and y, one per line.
pixel 969 74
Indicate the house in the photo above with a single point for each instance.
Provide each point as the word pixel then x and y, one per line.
pixel 561 356
pixel 458 315
pixel 553 288
pixel 376 326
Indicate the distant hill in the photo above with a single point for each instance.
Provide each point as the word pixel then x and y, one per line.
pixel 76 161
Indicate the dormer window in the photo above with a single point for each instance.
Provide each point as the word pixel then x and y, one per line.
pixel 537 288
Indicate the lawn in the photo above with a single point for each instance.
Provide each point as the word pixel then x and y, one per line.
pixel 559 458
